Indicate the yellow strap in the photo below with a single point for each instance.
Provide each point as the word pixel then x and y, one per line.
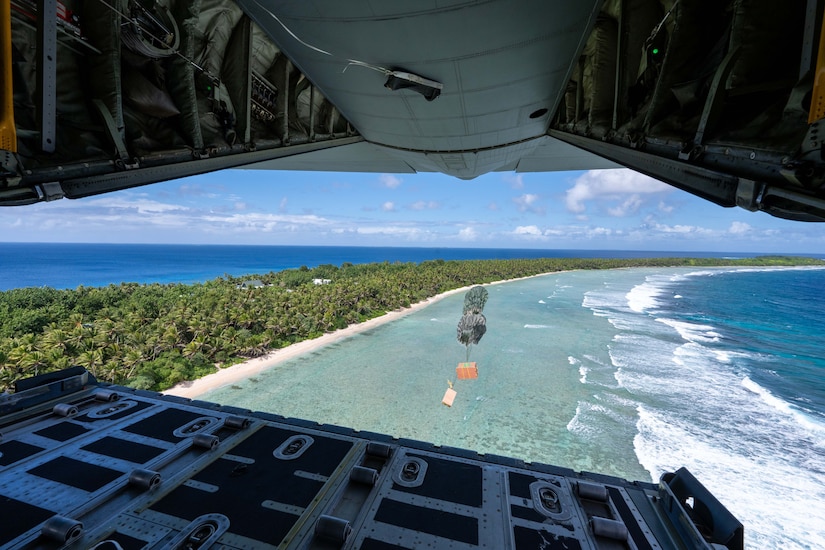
pixel 8 132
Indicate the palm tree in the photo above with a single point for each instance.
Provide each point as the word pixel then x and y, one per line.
pixel 132 358
pixel 91 359
pixel 198 344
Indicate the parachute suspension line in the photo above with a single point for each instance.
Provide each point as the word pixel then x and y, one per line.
pixel 133 41
pixel 661 24
pixel 357 63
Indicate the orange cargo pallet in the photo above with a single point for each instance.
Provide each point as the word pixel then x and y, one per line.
pixel 466 371
pixel 449 397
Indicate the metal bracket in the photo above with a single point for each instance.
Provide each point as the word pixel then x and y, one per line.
pixel 9 165
pixel 47 73
pixel 749 194
pixel 52 191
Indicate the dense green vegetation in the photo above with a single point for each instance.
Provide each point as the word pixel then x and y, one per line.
pixel 154 336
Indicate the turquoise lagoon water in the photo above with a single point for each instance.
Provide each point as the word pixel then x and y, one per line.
pixel 626 372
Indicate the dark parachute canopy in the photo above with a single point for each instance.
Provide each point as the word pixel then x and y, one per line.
pixel 475 300
pixel 473 324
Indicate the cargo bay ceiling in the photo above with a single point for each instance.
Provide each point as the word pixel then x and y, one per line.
pixel 718 98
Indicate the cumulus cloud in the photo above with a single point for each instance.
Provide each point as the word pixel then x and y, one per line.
pixel 261 222
pixel 388 180
pixel 388 206
pixel 528 230
pixel 611 186
pixel 467 234
pixel 629 206
pixel 681 229
pixel 739 228
pixel 282 205
pixel 528 203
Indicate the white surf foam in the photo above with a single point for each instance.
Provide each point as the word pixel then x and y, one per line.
pixel 785 408
pixel 772 496
pixel 644 297
pixel 692 332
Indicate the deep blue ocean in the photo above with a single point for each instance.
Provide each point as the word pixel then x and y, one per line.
pixel 61 265
pixel 629 372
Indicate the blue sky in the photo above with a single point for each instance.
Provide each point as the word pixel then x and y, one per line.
pixel 599 209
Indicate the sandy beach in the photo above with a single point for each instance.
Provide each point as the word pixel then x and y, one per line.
pixel 194 388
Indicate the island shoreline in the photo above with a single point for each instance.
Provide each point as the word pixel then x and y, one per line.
pixel 192 389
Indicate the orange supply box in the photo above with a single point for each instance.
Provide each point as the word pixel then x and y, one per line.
pixel 466 371
pixel 449 397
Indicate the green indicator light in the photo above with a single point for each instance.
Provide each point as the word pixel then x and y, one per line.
pixel 655 51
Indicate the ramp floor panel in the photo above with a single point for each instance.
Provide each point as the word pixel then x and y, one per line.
pixel 64 431
pixel 246 515
pixel 68 471
pixel 163 424
pixel 448 480
pixel 203 475
pixel 123 449
pixel 14 451
pixel 91 418
pixel 439 523
pixel 18 517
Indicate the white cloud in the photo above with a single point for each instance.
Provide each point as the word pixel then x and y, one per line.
pixel 612 185
pixel 664 207
pixel 493 206
pixel 681 229
pixel 388 180
pixel 467 234
pixel 282 205
pixel 528 230
pixel 252 222
pixel 529 233
pixel 388 206
pixel 629 206
pixel 740 228
pixel 528 203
